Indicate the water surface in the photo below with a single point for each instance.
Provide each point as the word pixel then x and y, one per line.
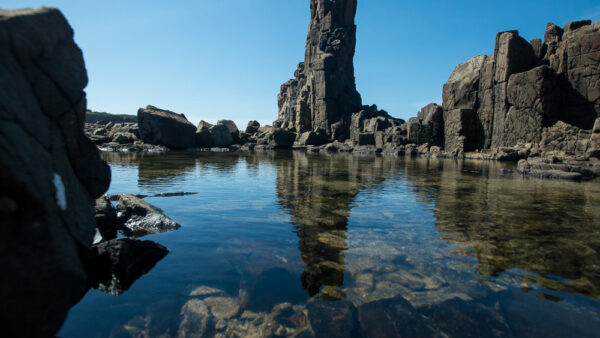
pixel 293 243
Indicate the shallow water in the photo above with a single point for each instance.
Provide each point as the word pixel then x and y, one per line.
pixel 357 245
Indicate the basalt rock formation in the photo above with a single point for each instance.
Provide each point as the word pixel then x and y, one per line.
pixel 528 92
pixel 323 93
pixel 50 173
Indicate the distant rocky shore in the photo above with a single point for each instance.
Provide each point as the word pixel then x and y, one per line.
pixel 536 101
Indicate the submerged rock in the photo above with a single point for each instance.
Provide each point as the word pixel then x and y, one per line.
pixel 138 218
pixel 116 264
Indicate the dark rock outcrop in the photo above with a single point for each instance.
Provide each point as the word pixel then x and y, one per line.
pixel 116 264
pixel 138 218
pixel 166 128
pixel 106 217
pixel 323 93
pixel 50 173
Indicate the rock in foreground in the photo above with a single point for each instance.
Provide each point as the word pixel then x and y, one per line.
pixel 138 218
pixel 50 173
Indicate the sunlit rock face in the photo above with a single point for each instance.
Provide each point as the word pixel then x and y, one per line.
pixel 522 90
pixel 323 93
pixel 50 173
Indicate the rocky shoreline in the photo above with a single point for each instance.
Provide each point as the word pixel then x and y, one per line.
pixel 537 101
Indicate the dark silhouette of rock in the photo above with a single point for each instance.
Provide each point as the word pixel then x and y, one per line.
pixel 252 127
pixel 50 173
pixel 106 218
pixel 166 128
pixel 138 218
pixel 323 92
pixel 116 264
pixel 221 135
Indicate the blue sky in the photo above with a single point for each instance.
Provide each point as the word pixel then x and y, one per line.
pixel 227 58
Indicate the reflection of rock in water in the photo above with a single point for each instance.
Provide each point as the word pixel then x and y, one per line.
pixel 167 167
pixel 518 223
pixel 319 192
pixel 118 263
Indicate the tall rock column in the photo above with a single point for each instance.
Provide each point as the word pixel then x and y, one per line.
pixel 323 93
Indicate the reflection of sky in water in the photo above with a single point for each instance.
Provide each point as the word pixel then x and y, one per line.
pixel 270 229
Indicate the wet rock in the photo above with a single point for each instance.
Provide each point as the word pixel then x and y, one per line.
pixel 138 218
pixel 394 317
pixel 116 264
pixel 459 318
pixel 222 308
pixel 166 128
pixel 106 217
pixel 50 172
pixel 333 319
pixel 197 320
pixel 206 291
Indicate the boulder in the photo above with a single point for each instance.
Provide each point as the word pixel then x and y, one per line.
pixel 166 128
pixel 116 264
pixel 313 138
pixel 252 127
pixel 204 138
pixel 233 129
pixel 138 218
pixel 279 138
pixel 50 172
pixel 221 136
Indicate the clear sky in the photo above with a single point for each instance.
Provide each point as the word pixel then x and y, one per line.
pixel 225 59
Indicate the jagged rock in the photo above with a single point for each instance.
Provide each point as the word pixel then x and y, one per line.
pixel 138 218
pixel 252 127
pixel 163 127
pixel 203 125
pixel 116 264
pixel 106 217
pixel 50 173
pixel 323 93
pixel 221 136
pixel 460 91
pixel 571 26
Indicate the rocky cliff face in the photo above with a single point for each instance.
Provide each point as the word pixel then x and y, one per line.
pixel 50 173
pixel 323 93
pixel 518 94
